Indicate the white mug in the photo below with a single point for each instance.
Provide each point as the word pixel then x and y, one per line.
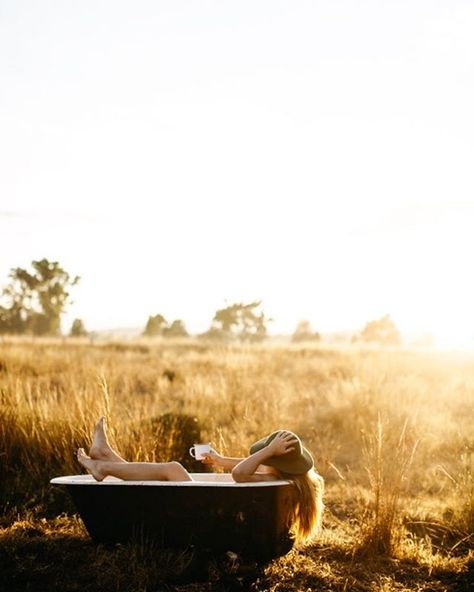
pixel 198 450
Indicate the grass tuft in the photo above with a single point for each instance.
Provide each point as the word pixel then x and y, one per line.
pixel 389 456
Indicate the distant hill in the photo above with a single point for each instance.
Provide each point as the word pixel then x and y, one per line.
pixel 130 333
pixel 118 333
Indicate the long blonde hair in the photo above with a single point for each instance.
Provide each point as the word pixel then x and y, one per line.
pixel 308 504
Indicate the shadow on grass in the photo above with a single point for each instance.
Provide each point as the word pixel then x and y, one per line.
pixel 59 556
pixel 32 558
pixel 337 568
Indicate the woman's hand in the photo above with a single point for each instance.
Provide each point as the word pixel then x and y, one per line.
pixel 282 443
pixel 212 458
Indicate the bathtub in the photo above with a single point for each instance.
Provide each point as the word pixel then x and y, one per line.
pixel 211 512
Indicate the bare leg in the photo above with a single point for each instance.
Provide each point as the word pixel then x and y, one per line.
pixel 138 471
pixel 101 449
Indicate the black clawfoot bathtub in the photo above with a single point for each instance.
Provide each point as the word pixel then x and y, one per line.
pixel 211 512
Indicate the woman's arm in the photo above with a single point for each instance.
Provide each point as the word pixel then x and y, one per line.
pixel 246 470
pixel 216 459
pixel 227 462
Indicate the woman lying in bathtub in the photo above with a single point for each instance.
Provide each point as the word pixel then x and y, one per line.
pixel 280 455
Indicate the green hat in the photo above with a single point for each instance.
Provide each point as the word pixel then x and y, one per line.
pixel 296 462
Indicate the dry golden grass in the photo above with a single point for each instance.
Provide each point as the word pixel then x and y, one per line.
pixel 392 433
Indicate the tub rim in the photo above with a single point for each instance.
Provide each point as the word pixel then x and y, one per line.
pixel 114 481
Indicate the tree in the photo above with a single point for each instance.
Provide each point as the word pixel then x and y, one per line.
pixel 78 329
pixel 176 329
pixel 243 322
pixel 35 300
pixel 304 332
pixel 155 326
pixel 382 331
pixel 12 320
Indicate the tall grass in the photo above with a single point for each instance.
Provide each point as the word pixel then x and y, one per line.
pixel 389 456
pixel 462 514
pixel 156 395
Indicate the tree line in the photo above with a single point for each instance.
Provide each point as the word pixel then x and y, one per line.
pixel 236 322
pixel 34 300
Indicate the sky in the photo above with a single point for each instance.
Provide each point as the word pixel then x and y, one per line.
pixel 184 155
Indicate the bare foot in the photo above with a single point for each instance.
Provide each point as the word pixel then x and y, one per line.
pixel 92 466
pixel 101 449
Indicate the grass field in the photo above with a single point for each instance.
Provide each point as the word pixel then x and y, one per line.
pixel 392 433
